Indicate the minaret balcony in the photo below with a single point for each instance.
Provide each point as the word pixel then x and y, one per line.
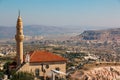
pixel 19 37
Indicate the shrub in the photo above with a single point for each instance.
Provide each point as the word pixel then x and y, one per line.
pixel 22 76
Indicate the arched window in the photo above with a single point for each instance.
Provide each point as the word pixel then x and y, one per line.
pixel 57 68
pixel 47 66
pixel 37 72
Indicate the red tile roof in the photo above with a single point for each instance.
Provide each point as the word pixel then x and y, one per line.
pixel 45 56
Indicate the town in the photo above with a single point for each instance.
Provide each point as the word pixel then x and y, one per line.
pixel 77 53
pixel 59 40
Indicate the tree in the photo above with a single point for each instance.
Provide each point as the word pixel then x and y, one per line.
pixel 1 74
pixel 22 76
pixel 6 69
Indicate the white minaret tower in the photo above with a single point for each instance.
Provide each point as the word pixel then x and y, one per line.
pixel 19 40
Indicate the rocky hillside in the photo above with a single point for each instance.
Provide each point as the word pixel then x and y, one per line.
pixel 101 73
pixel 103 35
pixel 98 71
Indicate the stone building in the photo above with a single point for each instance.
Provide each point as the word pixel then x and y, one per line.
pixel 40 63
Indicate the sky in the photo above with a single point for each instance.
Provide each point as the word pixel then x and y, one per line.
pixel 61 12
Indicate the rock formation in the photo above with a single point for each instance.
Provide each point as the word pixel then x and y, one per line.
pixel 101 73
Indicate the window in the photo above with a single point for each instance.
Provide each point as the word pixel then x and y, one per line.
pixel 47 66
pixel 37 72
pixel 57 68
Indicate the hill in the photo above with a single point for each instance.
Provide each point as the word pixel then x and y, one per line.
pixel 100 35
pixel 34 30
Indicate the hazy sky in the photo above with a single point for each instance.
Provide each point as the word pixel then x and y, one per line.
pixel 61 12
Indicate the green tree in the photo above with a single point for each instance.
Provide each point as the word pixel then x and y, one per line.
pixel 22 76
pixel 1 74
pixel 6 69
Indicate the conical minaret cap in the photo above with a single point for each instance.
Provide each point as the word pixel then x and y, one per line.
pixel 19 20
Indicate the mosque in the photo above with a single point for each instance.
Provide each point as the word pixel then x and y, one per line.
pixel 40 63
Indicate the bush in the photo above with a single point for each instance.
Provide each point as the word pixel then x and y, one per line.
pixel 22 76
pixel 1 74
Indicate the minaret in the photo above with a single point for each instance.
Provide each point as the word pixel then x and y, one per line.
pixel 19 40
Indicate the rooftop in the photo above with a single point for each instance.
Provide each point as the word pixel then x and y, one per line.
pixel 45 56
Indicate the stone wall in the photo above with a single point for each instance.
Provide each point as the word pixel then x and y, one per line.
pixel 31 67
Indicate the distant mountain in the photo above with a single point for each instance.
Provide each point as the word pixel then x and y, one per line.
pixel 108 35
pixel 7 32
pixel 35 30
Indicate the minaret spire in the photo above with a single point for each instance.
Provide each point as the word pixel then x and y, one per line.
pixel 19 13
